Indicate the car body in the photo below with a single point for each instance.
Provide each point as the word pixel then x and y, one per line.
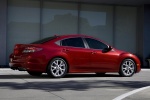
pixel 59 55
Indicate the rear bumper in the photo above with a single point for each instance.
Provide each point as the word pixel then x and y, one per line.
pixel 17 66
pixel 29 66
pixel 27 63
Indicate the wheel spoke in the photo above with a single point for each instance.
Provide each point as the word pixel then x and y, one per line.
pixel 62 63
pixel 124 68
pixel 130 64
pixel 125 64
pixel 53 66
pixel 62 70
pixel 128 72
pixel 124 71
pixel 131 68
pixel 57 73
pixel 53 69
pixel 55 62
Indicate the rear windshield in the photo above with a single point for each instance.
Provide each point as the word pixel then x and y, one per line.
pixel 44 40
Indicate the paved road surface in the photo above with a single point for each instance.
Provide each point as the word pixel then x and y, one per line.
pixel 15 85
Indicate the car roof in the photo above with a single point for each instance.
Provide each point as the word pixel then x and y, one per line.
pixel 73 35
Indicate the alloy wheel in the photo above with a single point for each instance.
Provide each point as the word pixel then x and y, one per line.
pixel 127 68
pixel 58 68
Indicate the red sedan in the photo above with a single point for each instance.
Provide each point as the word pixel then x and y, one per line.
pixel 59 55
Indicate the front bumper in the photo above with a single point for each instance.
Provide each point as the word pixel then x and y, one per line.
pixel 138 68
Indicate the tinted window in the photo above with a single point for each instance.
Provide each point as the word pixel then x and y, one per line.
pixel 95 44
pixel 44 40
pixel 73 42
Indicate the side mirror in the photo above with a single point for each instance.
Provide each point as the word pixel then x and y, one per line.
pixel 109 48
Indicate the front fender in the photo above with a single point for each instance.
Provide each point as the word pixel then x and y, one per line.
pixel 124 56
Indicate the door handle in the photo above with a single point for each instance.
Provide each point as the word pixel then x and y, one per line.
pixel 93 52
pixel 65 50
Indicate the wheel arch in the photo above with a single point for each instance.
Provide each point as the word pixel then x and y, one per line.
pixel 128 58
pixel 131 56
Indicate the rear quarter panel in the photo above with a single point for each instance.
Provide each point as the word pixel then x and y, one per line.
pixel 51 51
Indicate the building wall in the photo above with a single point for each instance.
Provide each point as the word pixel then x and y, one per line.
pixel 3 22
pixel 146 34
pixel 116 25
pixel 125 28
pixel 23 24
pixel 30 20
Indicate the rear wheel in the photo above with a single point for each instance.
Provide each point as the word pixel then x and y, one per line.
pixel 127 68
pixel 35 73
pixel 57 68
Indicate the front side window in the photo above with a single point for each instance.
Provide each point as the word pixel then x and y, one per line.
pixel 73 42
pixel 95 44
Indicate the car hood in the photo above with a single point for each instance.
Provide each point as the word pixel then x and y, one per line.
pixel 121 51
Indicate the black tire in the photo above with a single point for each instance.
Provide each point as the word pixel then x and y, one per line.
pixel 127 68
pixel 57 68
pixel 100 74
pixel 35 73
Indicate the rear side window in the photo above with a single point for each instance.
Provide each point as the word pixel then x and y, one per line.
pixel 95 44
pixel 44 40
pixel 73 42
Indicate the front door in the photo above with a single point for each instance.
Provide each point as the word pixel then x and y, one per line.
pixel 104 62
pixel 100 61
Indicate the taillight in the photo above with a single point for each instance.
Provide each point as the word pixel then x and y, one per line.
pixel 31 50
pixel 16 51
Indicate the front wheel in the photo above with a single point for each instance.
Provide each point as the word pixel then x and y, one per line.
pixel 127 68
pixel 57 68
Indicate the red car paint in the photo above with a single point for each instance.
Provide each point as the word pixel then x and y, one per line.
pixel 79 60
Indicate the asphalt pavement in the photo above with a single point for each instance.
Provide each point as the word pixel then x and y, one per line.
pixel 16 85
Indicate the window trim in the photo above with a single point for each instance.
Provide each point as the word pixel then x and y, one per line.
pixel 85 43
pixel 73 46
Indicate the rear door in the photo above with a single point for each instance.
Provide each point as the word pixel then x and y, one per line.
pixel 77 53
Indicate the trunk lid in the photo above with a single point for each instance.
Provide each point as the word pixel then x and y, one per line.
pixel 19 48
